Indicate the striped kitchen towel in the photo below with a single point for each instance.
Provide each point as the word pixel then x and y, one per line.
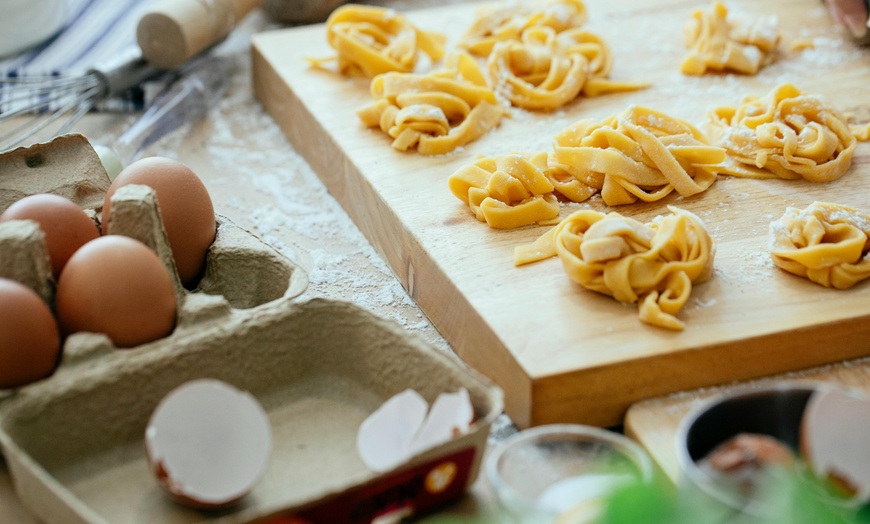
pixel 96 33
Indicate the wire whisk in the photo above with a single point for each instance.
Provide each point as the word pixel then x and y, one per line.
pixel 30 104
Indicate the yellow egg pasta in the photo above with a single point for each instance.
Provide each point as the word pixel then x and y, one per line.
pixel 717 44
pixel 435 112
pixel 508 191
pixel 502 23
pixel 653 264
pixel 827 243
pixel 640 154
pixel 546 70
pixel 374 40
pixel 785 134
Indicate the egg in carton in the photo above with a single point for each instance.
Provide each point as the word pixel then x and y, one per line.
pixel 241 272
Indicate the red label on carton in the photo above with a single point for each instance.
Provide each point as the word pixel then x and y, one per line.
pixel 415 491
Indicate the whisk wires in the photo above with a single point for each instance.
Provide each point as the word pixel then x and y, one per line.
pixel 33 105
pixel 46 100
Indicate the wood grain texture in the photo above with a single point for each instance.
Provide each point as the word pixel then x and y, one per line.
pixel 562 353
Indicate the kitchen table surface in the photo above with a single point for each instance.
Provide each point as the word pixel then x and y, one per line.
pixel 258 180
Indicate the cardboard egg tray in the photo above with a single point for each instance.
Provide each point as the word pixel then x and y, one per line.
pixel 74 441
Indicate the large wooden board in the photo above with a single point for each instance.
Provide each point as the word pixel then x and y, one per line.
pixel 562 353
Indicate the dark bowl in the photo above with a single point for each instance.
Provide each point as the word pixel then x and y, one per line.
pixel 775 411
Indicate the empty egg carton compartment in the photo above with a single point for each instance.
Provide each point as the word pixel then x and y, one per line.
pixel 75 445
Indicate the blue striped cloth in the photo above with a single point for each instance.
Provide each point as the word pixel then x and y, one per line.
pixel 97 31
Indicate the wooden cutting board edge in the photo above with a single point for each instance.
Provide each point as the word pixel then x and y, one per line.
pixel 557 396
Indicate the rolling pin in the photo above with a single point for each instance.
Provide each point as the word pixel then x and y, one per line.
pixel 176 30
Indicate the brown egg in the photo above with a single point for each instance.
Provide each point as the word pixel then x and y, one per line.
pixel 29 339
pixel 66 226
pixel 117 286
pixel 185 206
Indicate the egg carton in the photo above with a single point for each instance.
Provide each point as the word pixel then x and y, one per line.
pixel 74 443
pixel 241 271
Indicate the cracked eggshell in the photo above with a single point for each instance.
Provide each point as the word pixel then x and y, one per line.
pixel 404 426
pixel 208 443
pixel 384 437
pixel 451 415
pixel 834 432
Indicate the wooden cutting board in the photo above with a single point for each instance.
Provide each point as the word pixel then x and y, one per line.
pixel 562 353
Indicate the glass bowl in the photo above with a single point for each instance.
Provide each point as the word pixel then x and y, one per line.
pixel 548 472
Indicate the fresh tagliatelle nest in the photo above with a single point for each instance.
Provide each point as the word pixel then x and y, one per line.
pixel 507 191
pixel 372 40
pixel 827 243
pixel 543 70
pixel 653 264
pixel 718 44
pixel 505 22
pixel 639 154
pixel 786 134
pixel 539 58
pixel 435 112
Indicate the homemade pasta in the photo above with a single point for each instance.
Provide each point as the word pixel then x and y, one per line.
pixel 502 23
pixel 785 134
pixel 546 70
pixel 435 112
pixel 826 243
pixel 717 44
pixel 508 191
pixel 640 154
pixel 373 40
pixel 653 264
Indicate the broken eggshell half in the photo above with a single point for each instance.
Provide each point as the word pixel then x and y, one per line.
pixel 208 443
pixel 833 440
pixel 401 427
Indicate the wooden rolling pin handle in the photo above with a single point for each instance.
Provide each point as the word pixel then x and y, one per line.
pixel 176 30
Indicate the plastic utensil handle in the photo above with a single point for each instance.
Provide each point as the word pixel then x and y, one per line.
pixel 176 30
pixel 199 87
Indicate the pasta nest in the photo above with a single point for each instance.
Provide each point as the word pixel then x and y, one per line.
pixel 508 191
pixel 546 70
pixel 826 243
pixel 652 264
pixel 504 23
pixel 785 134
pixel 373 40
pixel 435 112
pixel 640 154
pixel 716 44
